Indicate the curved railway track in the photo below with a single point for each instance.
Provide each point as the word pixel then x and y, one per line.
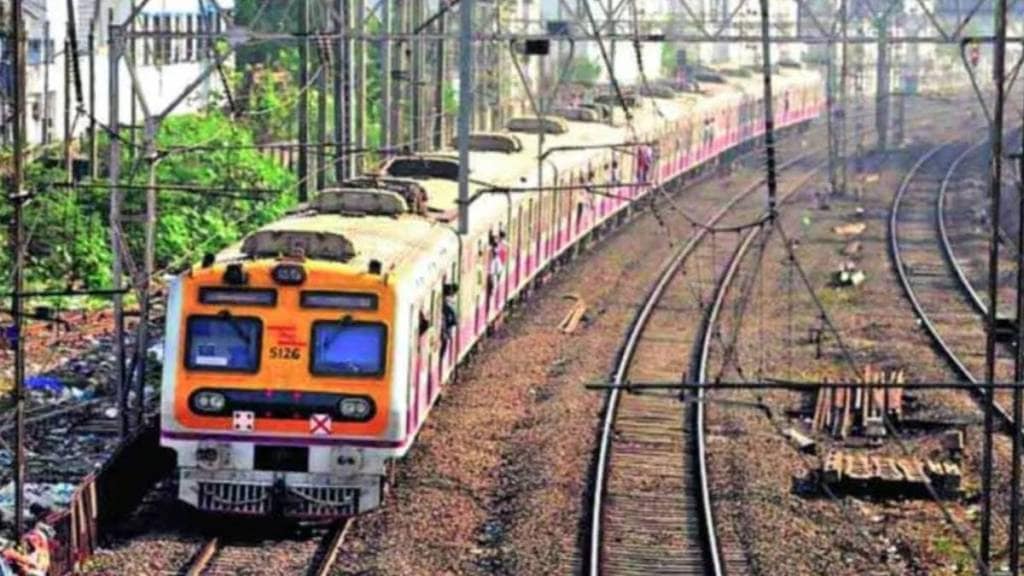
pixel 221 557
pixel 651 506
pixel 920 247
pixel 651 509
pixel 971 288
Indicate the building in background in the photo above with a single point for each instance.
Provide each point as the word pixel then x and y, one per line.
pixel 164 67
pixel 632 62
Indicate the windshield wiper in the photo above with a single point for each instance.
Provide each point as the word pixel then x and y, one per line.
pixel 346 320
pixel 242 334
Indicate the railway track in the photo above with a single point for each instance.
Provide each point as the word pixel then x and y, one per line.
pixel 932 277
pixel 973 279
pixel 219 556
pixel 651 507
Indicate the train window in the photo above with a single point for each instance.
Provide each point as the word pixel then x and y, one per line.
pixel 339 300
pixel 237 296
pixel 223 343
pixel 347 348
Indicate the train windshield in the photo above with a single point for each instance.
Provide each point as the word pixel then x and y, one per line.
pixel 349 348
pixel 225 343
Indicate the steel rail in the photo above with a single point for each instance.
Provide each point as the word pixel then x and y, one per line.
pixel 624 361
pixel 947 246
pixel 963 281
pixel 320 565
pixel 705 338
pixel 202 558
pixel 636 330
pixel 334 543
pixel 895 253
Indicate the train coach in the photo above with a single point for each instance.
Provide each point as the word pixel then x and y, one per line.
pixel 302 361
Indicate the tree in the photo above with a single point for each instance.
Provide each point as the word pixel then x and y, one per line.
pixel 584 71
pixel 188 228
pixel 68 242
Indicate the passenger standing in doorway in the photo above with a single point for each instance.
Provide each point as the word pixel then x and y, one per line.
pixel 449 319
pixel 496 270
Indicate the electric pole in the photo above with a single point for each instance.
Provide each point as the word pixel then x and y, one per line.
pixel 882 85
pixel 769 119
pixel 304 88
pixel 17 236
pixel 843 96
pixel 995 190
pixel 321 116
pixel 115 50
pixel 440 76
pixel 465 106
pixel 341 72
pixel 397 73
pixel 94 143
pixel 385 79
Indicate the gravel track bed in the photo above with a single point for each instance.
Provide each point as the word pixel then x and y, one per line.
pixel 967 223
pixel 753 467
pixel 163 537
pixel 152 541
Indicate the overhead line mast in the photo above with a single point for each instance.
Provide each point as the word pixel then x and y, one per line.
pixel 17 239
pixel 995 192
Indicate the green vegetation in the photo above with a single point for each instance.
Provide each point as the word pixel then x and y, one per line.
pixel 584 71
pixel 189 228
pixel 954 553
pixel 67 230
pixel 668 59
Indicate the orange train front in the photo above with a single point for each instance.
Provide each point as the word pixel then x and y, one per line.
pixel 303 360
pixel 288 392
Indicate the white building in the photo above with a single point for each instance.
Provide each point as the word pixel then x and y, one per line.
pixel 746 22
pixel 627 59
pixel 163 67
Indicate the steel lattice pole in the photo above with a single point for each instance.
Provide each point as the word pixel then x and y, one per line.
pixel 995 190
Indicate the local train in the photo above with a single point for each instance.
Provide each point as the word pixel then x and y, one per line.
pixel 302 361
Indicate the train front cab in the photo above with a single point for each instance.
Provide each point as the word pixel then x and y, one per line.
pixel 276 388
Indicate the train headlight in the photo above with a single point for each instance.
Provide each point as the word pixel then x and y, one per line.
pixel 355 408
pixel 211 456
pixel 348 460
pixel 209 402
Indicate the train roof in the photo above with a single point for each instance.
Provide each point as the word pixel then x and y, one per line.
pixel 401 241
pixel 393 241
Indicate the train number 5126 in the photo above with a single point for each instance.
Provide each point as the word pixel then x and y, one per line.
pixel 284 353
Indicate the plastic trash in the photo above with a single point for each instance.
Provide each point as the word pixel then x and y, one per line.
pixel 9 336
pixel 54 496
pixel 44 384
pixel 82 393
